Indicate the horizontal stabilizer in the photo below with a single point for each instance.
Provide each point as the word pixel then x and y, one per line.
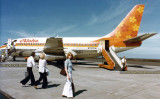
pixel 139 38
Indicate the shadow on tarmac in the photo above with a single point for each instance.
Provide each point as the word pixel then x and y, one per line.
pixel 137 66
pixel 79 92
pixel 51 86
pixel 84 63
pixel 26 86
pixel 61 64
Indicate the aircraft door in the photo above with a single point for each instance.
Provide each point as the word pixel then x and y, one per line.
pixel 107 45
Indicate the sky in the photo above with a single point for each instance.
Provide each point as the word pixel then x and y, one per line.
pixel 78 18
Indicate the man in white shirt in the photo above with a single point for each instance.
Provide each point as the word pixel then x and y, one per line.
pixel 6 53
pixel 30 64
pixel 2 57
pixel 123 61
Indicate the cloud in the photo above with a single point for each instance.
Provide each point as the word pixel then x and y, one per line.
pixel 94 19
pixel 49 32
pixel 109 14
pixel 65 29
pixel 54 31
pixel 142 52
pixel 21 33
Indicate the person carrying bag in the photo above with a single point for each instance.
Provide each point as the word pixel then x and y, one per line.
pixel 30 64
pixel 69 85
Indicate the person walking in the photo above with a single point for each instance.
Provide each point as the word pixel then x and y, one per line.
pixel 123 62
pixel 42 71
pixel 6 53
pixel 3 57
pixel 67 91
pixel 30 64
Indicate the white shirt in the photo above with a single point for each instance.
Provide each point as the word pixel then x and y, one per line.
pixel 6 52
pixel 2 56
pixel 30 62
pixel 42 65
pixel 9 47
pixel 123 60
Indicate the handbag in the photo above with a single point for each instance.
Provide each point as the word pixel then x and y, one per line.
pixel 47 71
pixel 63 72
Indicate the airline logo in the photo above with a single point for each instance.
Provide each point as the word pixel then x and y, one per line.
pixel 28 40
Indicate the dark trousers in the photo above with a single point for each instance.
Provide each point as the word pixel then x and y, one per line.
pixel 124 65
pixel 43 76
pixel 28 77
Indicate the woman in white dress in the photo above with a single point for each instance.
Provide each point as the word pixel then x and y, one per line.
pixel 67 91
pixel 42 71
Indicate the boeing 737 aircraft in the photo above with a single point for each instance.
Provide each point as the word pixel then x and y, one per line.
pixel 122 38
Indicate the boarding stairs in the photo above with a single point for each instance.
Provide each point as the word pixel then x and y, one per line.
pixel 112 59
pixel 10 49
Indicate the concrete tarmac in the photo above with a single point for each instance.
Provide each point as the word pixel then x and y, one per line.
pixel 91 82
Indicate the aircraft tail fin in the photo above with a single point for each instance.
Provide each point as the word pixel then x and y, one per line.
pixel 129 26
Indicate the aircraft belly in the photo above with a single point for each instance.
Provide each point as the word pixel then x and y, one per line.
pixel 23 52
pixel 87 53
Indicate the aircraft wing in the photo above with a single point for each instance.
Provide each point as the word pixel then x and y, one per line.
pixel 54 46
pixel 139 38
